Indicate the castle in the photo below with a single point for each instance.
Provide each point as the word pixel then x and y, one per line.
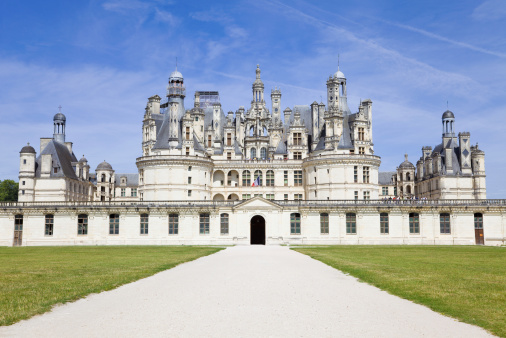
pixel 307 176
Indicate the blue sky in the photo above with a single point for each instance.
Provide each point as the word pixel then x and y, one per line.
pixel 102 59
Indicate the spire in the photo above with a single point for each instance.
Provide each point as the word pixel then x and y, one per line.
pixel 258 72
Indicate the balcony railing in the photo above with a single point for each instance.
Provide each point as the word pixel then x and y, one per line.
pixel 282 203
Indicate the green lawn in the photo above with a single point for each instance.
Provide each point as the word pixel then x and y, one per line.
pixel 33 279
pixel 464 282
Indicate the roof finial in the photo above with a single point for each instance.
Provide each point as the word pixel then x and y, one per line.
pixel 337 61
pixel 59 108
pixel 406 157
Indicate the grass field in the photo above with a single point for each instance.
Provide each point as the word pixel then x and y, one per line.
pixel 464 282
pixel 34 279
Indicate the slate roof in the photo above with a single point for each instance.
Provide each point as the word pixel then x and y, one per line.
pixel 385 177
pixel 132 180
pixel 62 158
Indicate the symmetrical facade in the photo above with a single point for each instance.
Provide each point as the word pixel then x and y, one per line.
pixel 309 157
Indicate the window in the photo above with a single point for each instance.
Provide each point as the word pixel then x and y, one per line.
pixel 229 139
pixel 269 178
pixel 224 224
pixel 384 223
pixel 187 134
pixel 297 155
pixel 24 161
pixel 173 224
pixel 351 223
pixel 355 174
pixel 229 155
pixel 365 175
pixel 444 223
pixel 189 180
pixel 360 134
pixel 144 224
pixel 361 150
pixel 258 195
pixel 297 197
pixel 263 153
pixel 384 191
pixel 113 224
pixel 297 139
pixel 246 178
pixel 395 191
pixel 355 194
pixel 478 221
pixel 189 193
pixel 259 175
pixel 414 223
pixel 253 153
pixel 123 192
pixel 49 225
pixel 209 143
pixel 204 224
pixel 297 177
pixel 133 192
pixel 324 224
pixel 367 195
pixel 270 197
pixel 246 196
pixel 285 197
pixel 295 224
pixel 18 223
pixel 82 224
pixel 285 177
pixel 23 182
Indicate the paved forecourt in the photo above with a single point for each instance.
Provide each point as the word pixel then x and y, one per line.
pixel 244 291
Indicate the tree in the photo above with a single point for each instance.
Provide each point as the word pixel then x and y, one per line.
pixel 9 191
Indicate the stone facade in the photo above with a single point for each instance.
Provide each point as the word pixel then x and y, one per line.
pixel 314 165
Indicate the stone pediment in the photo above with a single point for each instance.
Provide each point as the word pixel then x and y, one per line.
pixel 257 203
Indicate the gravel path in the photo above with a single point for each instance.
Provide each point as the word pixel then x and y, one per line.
pixel 257 291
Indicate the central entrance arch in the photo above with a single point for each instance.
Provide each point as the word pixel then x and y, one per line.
pixel 257 230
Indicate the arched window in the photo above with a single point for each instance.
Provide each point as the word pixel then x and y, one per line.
pixel 103 178
pixel 224 224
pixel 295 224
pixel 263 153
pixel 253 153
pixel 246 178
pixel 258 175
pixel 269 178
pixel 82 224
pixel 408 190
pixel 408 177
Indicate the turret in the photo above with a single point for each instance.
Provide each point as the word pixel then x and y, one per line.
pixel 448 119
pixel 26 173
pixel 59 127
pixel 105 182
pixel 276 106
pixel 258 87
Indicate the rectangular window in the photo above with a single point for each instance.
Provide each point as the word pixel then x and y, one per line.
pixel 444 224
pixel 229 139
pixel 355 194
pixel 297 155
pixel 173 224
pixel 270 197
pixel 384 191
pixel 297 197
pixel 361 134
pixel 144 224
pixel 297 139
pixel 187 151
pixel 246 178
pixel 189 193
pixel 367 195
pixel 82 224
pixel 355 174
pixel 246 196
pixel 324 224
pixel 295 224
pixel 478 221
pixel 365 175
pixel 395 191
pixel 187 134
pixel 351 224
pixel 361 150
pixel 18 223
pixel 224 224
pixel 297 178
pixel 189 180
pixel 204 224
pixel 285 197
pixel 229 156
pixel 384 223
pixel 23 182
pixel 269 178
pixel 285 176
pixel 209 141
pixel 133 192
pixel 123 192
pixel 114 224
pixel 49 225
pixel 414 223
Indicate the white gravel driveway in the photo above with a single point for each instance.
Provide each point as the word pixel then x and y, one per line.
pixel 244 291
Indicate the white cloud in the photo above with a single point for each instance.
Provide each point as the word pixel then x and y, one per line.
pixel 490 10
pixel 124 6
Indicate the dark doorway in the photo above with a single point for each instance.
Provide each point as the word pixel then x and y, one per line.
pixel 257 227
pixel 478 229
